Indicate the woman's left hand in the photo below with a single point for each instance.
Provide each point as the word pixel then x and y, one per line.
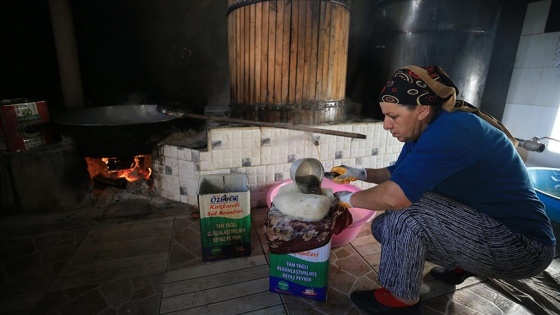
pixel 348 174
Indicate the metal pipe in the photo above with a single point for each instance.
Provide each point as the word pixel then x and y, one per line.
pixel 531 145
pixel 185 114
pixel 549 138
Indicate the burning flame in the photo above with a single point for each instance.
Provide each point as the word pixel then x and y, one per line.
pixel 139 168
pixel 135 172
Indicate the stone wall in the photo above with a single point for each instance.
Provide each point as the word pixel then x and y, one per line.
pixel 47 178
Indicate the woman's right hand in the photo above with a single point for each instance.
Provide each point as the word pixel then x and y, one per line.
pixel 348 174
pixel 343 198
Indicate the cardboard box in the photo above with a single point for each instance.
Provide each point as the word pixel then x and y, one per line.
pixel 225 216
pixel 24 125
pixel 304 274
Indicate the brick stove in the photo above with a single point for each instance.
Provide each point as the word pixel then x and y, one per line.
pixel 55 176
pixel 265 155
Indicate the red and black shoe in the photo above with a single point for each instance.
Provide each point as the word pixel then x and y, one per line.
pixel 381 301
pixel 451 277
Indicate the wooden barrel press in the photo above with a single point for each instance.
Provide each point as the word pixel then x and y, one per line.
pixel 288 59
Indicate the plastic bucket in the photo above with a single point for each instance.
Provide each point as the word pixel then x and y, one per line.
pixel 359 216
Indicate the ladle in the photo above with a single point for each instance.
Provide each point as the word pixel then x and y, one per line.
pixel 308 174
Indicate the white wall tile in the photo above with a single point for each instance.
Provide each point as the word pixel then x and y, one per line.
pixel 524 85
pixel 328 164
pixel 192 187
pixel 203 156
pixel 546 159
pixel 556 62
pixel 546 117
pixel 524 121
pixel 192 200
pixel 537 50
pixel 535 18
pixel 184 154
pixel 326 139
pixel 206 166
pixel 170 151
pixel 170 166
pixel 513 118
pixel 548 91
pixel 183 168
pixel 274 148
pixel 215 172
pixel 534 94
pixel 177 197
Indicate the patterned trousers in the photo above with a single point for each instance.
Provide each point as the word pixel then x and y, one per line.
pixel 450 234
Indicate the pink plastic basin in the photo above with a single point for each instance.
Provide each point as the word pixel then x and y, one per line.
pixel 359 215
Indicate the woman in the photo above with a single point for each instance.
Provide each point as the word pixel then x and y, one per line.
pixel 458 196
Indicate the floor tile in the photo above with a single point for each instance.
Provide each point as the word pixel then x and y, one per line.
pixel 152 265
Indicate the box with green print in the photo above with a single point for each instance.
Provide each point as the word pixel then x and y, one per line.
pixel 302 274
pixel 225 216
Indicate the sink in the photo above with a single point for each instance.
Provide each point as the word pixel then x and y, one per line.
pixel 546 181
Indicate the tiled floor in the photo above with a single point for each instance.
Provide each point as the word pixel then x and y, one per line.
pixel 147 261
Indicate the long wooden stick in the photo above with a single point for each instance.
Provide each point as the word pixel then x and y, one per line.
pixel 183 114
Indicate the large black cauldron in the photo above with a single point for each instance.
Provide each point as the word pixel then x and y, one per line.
pixel 115 131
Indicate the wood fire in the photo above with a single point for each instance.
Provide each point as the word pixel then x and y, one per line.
pixel 118 171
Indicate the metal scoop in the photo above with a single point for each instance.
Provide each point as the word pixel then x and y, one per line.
pixel 308 173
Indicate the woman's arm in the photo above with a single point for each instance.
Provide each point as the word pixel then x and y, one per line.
pixel 385 196
pixel 377 175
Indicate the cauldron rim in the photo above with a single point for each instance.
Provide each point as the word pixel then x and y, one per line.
pixel 114 115
pixel 115 131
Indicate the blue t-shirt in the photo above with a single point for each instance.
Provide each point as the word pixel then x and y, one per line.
pixel 461 156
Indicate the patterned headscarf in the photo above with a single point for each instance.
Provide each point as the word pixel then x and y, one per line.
pixel 413 85
pixel 408 88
